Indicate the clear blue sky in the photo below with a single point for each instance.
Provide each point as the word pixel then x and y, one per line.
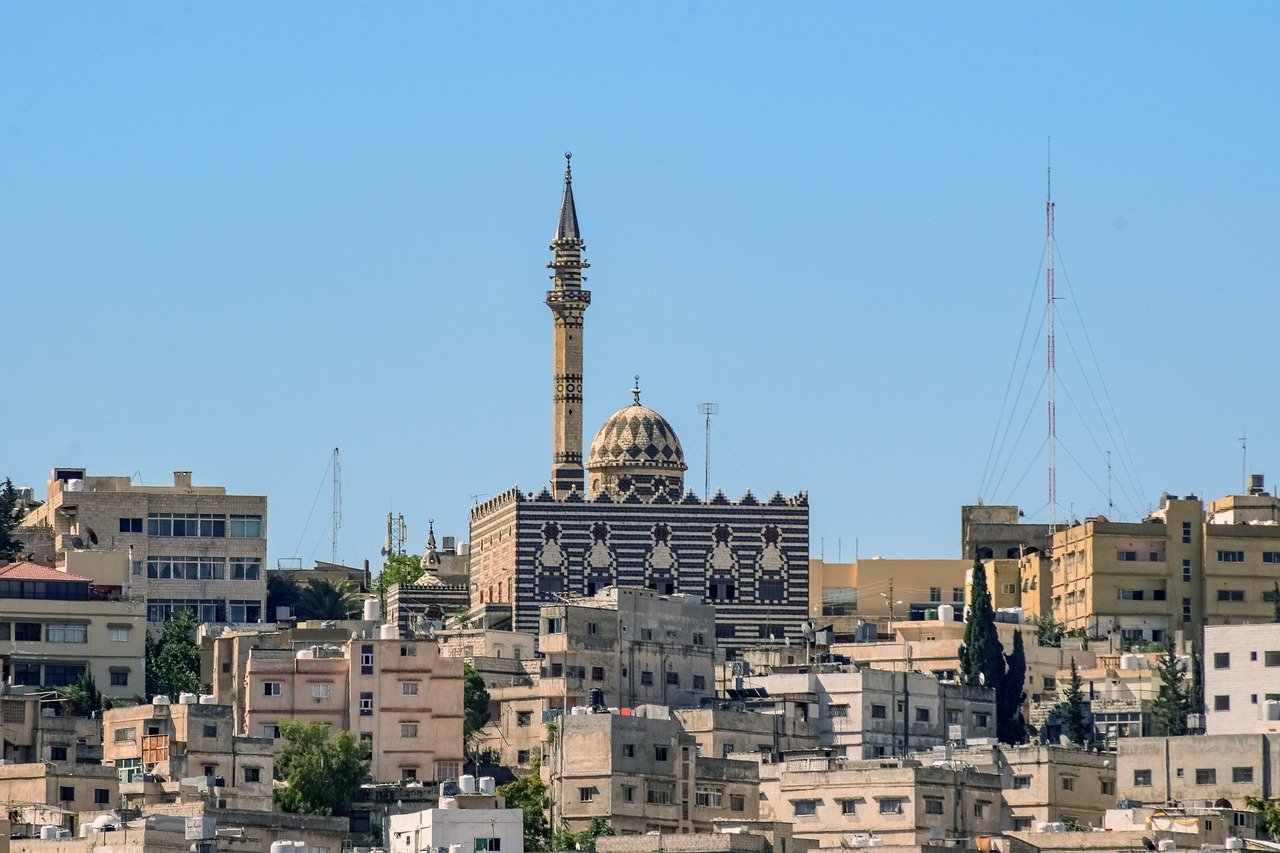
pixel 235 237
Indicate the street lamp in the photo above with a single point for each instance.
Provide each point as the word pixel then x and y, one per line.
pixel 888 597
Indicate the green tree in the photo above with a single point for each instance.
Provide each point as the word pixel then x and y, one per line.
pixel 1073 716
pixel 11 512
pixel 321 769
pixel 282 591
pixel 1195 697
pixel 323 599
pixel 173 659
pixel 1268 815
pixel 475 705
pixel 981 655
pixel 1011 728
pixel 585 840
pixel 530 796
pixel 1173 699
pixel 398 569
pixel 82 697
pixel 1049 631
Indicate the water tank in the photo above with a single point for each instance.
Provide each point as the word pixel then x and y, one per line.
pixel 160 700
pixel 371 610
pixel 1234 842
pixel 49 832
pixel 946 613
pixel 487 786
pixel 305 654
pixel 1167 844
pixel 186 698
pixel 1271 710
pixel 102 821
pixel 208 699
pixel 448 803
pixel 388 631
pixel 467 783
pixel 464 549
pixel 1128 660
pixel 75 486
pixel 455 848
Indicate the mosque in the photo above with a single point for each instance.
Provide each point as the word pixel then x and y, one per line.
pixel 626 518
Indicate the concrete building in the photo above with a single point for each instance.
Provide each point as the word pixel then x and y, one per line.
pixel 841 803
pixel 40 794
pixel 1120 689
pixel 192 547
pixel 728 836
pixel 165 753
pixel 1178 569
pixel 626 518
pixel 399 695
pixel 734 732
pixel 990 531
pixel 34 729
pixel 474 821
pixel 642 773
pixel 56 625
pixel 875 713
pixel 880 591
pixel 1201 770
pixel 1242 678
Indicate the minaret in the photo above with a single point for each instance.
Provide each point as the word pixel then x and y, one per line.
pixel 568 303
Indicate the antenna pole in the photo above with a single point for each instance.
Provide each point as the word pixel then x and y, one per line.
pixel 1049 350
pixel 707 410
pixel 1110 504
pixel 1244 460
pixel 337 501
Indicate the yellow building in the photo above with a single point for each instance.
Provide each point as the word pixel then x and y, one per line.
pixel 879 589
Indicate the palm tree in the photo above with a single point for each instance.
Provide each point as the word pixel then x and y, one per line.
pixel 324 599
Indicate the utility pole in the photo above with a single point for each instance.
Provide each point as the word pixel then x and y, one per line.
pixel 337 501
pixel 707 410
pixel 906 705
pixel 1052 375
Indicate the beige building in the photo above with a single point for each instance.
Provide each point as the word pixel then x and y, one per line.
pixel 642 773
pixel 1242 678
pixel 399 695
pixel 1179 568
pixel 735 732
pixel 842 803
pixel 875 590
pixel 42 794
pixel 179 752
pixel 56 625
pixel 1198 770
pixel 992 531
pixel 192 547
pixel 34 730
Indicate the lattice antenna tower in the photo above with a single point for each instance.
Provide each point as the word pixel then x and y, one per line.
pixel 1051 377
pixel 707 410
pixel 337 500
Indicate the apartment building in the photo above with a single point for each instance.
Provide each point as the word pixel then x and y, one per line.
pixel 993 531
pixel 1198 770
pixel 40 794
pixel 56 625
pixel 1043 784
pixel 34 730
pixel 399 695
pixel 642 773
pixel 876 590
pixel 157 748
pixel 1242 678
pixel 877 713
pixel 1179 568
pixel 841 803
pixel 734 732
pixel 192 547
pixel 469 821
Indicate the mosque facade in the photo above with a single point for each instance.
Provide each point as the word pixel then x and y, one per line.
pixel 625 517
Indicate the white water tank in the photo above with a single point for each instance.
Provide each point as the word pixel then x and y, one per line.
pixel 75 485
pixel 186 698
pixel 208 699
pixel 388 631
pixel 160 700
pixel 448 803
pixel 371 610
pixel 455 848
pixel 1128 660
pixel 305 654
pixel 487 786
pixel 49 832
pixel 464 549
pixel 467 783
pixel 946 613
pixel 1167 844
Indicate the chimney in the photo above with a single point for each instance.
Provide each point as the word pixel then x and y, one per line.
pixel 182 479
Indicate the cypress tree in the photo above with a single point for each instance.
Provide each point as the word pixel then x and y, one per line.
pixel 981 653
pixel 1173 700
pixel 1073 707
pixel 1011 728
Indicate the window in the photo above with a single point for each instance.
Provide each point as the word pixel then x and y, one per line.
pixel 210 730
pixel 981 720
pixel 366 704
pixel 410 650
pixel 246 527
pixel 933 805
pixel 935 593
pixel 628 750
pixel 1231 556
pixel 125 735
pixel 1186 533
pixel 408 688
pixel 119 635
pixel 553 626
pixel 26 632
pixel 1142 778
pixel 658 794
pixel 1126 556
pixel 1240 775
pixel 57 753
pixel 253 774
pixel 119 676
pixel 101 796
pixel 1222 660
pixel 408 730
pixel 646 678
pixel 243 569
pixel 586 795
pixel 804 808
pixel 673 678
pixel 1206 776
pixel 66 794
pixel 628 793
pixel 1021 782
pixel 1008 588
pixel 699 682
pixel 1231 595
pixel 839 601
pixel 524 718
pixel 1271 658
pixel 1068 783
pixel 593 628
pixel 709 797
pixel 922 715
pixel 1131 594
pixel 1271 556
pixel 980 808
pixel 131 525
pixel 699 638
pixel 737 803
pixel 957 595
pixel 522 757
pixel 1107 786
pixel 1222 703
pixel 320 690
pixel 1159 595
pixel 848 807
pixel 272 732
pixel 720 591
pixel 659 753
pixel 1186 571
pixel 878 712
pixel 366 660
pixel 891 805
pixel 597 673
pixel 271 688
pixel 1186 610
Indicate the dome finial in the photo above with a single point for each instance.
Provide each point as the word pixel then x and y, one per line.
pixel 635 391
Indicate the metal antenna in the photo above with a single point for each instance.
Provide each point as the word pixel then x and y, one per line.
pixel 707 410
pixel 1110 504
pixel 337 501
pixel 1051 377
pixel 1244 460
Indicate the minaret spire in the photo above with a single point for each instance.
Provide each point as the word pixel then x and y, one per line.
pixel 568 303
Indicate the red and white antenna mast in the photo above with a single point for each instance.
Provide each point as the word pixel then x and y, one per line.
pixel 1052 374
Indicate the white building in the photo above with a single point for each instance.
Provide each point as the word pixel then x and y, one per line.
pixel 1242 678
pixel 468 822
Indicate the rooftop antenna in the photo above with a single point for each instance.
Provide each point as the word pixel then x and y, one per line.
pixel 337 501
pixel 1049 344
pixel 707 410
pixel 1244 460
pixel 1110 504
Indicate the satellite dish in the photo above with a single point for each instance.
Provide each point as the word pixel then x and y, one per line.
pixel 77 543
pixel 1148 843
pixel 93 537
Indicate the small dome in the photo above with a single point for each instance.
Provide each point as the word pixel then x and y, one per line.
pixel 636 437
